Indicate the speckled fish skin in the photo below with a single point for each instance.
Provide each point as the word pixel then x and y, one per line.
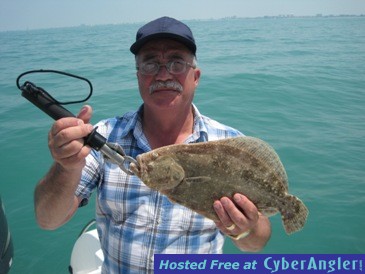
pixel 196 175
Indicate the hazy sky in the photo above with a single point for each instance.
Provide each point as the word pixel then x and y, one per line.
pixel 34 14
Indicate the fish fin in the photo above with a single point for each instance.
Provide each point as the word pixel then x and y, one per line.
pixel 199 179
pixel 294 215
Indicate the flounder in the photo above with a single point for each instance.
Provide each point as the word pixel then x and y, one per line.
pixel 196 175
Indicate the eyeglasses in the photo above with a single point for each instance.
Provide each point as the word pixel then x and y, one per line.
pixel 173 67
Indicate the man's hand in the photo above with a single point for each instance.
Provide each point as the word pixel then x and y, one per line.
pixel 241 217
pixel 65 139
pixel 236 217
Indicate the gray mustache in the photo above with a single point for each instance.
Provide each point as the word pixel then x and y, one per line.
pixel 167 84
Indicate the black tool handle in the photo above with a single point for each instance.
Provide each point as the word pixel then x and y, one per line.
pixel 44 101
pixel 41 99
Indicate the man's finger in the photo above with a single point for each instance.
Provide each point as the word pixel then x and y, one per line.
pixel 247 207
pixel 64 123
pixel 71 133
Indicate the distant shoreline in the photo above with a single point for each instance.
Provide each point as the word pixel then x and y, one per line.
pixel 280 16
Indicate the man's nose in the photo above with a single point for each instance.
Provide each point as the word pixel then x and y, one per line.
pixel 163 73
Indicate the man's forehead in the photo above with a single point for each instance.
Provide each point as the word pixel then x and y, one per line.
pixel 163 46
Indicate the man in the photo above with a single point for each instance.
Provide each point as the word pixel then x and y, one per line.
pixel 133 221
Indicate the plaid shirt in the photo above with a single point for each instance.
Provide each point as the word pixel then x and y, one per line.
pixel 135 222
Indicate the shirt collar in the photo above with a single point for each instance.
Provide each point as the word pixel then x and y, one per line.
pixel 134 125
pixel 133 122
pixel 200 131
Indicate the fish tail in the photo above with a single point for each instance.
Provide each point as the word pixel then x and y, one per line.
pixel 294 214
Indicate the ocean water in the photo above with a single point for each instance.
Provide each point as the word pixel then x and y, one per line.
pixel 297 83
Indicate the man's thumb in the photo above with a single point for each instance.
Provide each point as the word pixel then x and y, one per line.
pixel 85 114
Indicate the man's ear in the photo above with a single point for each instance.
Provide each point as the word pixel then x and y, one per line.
pixel 197 73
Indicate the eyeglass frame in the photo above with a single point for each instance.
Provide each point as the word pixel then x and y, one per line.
pixel 167 66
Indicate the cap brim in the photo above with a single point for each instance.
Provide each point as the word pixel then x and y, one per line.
pixel 141 42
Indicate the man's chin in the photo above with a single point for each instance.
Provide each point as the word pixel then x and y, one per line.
pixel 165 100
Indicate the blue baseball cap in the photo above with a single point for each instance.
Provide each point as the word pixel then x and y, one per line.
pixel 164 27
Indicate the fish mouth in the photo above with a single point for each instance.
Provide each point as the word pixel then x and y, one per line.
pixel 169 85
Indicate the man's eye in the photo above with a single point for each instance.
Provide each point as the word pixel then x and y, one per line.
pixel 149 66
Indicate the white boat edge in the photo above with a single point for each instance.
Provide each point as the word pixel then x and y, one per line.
pixel 87 256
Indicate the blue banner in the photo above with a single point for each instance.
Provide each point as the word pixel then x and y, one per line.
pixel 259 263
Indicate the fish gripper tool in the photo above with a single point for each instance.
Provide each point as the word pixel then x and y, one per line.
pixel 39 97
